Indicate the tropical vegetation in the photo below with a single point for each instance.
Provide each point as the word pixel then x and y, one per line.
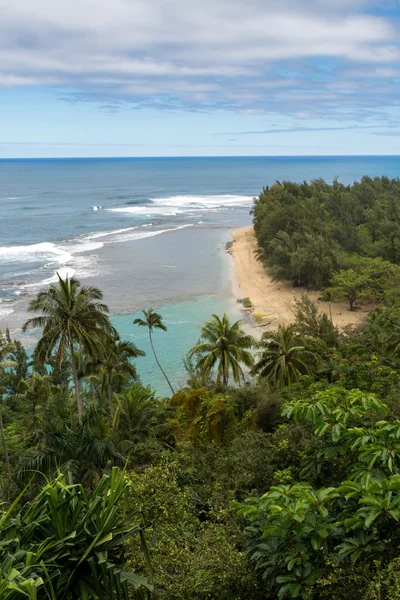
pixel 344 238
pixel 274 473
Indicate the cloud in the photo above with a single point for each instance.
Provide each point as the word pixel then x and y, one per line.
pixel 289 56
pixel 298 129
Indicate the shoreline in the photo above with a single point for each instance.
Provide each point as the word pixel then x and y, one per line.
pixel 273 303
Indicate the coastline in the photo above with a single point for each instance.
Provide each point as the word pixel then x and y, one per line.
pixel 275 301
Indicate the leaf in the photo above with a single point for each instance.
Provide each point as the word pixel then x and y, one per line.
pixel 336 432
pixel 373 515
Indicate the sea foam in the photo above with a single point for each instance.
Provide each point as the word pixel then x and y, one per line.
pixel 43 251
pixel 177 205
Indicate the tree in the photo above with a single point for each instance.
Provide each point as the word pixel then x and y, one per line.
pixel 284 357
pixel 137 414
pixel 4 364
pixel 153 320
pixel 73 321
pixel 34 393
pixel 351 285
pixel 296 531
pixel 84 450
pixel 223 345
pixel 311 323
pixel 3 437
pixel 114 364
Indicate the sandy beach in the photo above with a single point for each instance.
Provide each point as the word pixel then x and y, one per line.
pixel 275 300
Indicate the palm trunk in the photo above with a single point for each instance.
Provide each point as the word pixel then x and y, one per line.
pixel 76 384
pixel 330 312
pixel 158 362
pixel 3 441
pixel 34 420
pixel 109 393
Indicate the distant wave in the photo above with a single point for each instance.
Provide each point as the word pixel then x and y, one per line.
pixel 43 251
pixel 68 258
pixel 175 205
pixel 148 211
pixel 215 201
pixel 46 251
pixel 63 273
pixel 136 202
pixel 101 234
pixel 39 259
pixel 140 235
pixel 5 311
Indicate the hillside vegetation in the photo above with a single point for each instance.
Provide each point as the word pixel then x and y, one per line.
pixel 273 474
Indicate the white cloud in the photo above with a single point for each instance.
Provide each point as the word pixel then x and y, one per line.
pixel 214 51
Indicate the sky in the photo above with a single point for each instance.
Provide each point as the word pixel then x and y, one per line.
pixel 199 78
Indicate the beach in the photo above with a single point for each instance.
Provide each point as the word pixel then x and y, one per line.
pixel 276 300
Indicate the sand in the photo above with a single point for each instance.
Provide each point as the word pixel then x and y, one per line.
pixel 276 301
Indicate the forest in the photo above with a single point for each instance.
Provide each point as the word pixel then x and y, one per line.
pixel 273 474
pixel 343 239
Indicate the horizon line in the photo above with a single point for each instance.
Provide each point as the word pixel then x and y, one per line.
pixel 22 158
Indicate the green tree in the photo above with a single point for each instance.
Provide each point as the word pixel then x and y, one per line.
pixel 84 449
pixel 225 347
pixel 4 365
pixel 73 322
pixel 310 322
pixel 153 320
pixel 284 356
pixel 351 285
pixel 34 393
pixel 114 366
pixel 138 415
pixel 296 530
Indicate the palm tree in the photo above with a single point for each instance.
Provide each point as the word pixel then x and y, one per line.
pixel 284 356
pixel 225 346
pixel 73 320
pixel 61 444
pixel 137 415
pixel 35 392
pixel 3 437
pixel 153 320
pixel 114 364
pixel 4 364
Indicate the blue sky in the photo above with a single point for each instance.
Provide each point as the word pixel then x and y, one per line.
pixel 182 77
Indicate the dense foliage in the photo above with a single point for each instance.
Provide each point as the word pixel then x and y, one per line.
pixel 344 237
pixel 275 473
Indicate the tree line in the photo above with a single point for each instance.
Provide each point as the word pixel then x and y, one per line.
pixel 343 239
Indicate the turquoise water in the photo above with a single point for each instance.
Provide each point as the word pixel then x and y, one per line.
pixel 183 321
pixel 148 232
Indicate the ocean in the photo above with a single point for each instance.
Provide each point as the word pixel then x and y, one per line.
pixel 147 231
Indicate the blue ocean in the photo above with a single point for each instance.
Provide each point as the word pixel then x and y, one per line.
pixel 148 231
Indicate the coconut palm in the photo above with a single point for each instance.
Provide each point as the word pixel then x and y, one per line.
pixel 4 364
pixel 137 415
pixel 73 322
pixel 114 365
pixel 223 345
pixel 34 392
pixel 153 320
pixel 284 356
